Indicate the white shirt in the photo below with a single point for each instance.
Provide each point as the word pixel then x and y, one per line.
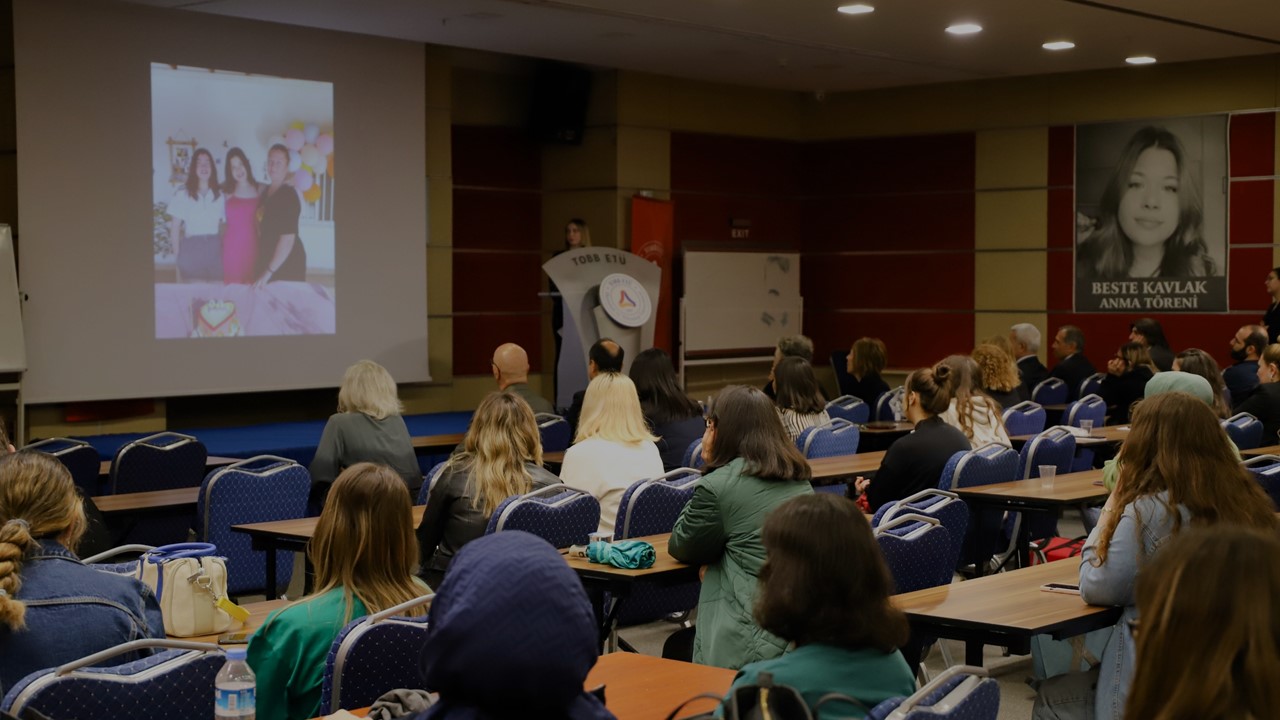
pixel 987 427
pixel 200 216
pixel 796 423
pixel 606 469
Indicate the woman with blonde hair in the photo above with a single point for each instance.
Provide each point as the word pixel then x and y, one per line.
pixel 998 374
pixel 1177 469
pixel 367 428
pixel 364 553
pixel 613 448
pixel 971 411
pixel 501 456
pixel 53 608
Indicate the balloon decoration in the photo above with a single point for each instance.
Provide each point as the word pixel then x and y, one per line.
pixel 303 180
pixel 312 195
pixel 310 156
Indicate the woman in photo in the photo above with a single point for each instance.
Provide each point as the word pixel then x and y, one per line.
pixel 1151 216
pixel 240 241
pixel 195 228
pixel 281 255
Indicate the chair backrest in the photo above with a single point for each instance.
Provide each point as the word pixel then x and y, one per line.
pixel 1025 418
pixel 433 476
pixel 373 655
pixel 889 405
pixel 174 683
pixel 1244 430
pixel 1266 468
pixel 80 458
pixel 834 437
pixel 651 507
pixel 993 463
pixel 961 692
pixel 1089 407
pixel 1092 384
pixel 556 513
pixel 850 408
pixel 1050 391
pixel 693 456
pixel 1055 446
pixel 260 489
pixel 944 506
pixel 162 461
pixel 555 431
pixel 917 549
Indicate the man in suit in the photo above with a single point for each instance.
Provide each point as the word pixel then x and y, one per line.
pixel 1026 343
pixel 511 372
pixel 604 356
pixel 1246 348
pixel 1072 367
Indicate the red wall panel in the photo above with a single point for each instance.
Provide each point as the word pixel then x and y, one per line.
pixel 496 282
pixel 934 221
pixel 926 163
pixel 497 220
pixel 484 333
pixel 705 219
pixel 1246 275
pixel 1251 211
pixel 733 165
pixel 1253 144
pixel 889 281
pixel 912 339
pixel 1062 156
pixel 501 157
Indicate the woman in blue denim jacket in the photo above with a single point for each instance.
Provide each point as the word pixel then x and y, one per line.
pixel 54 608
pixel 1177 468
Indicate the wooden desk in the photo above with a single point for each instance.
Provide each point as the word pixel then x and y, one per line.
pixel 553 458
pixel 642 687
pixel 447 440
pixel 1265 450
pixel 1005 609
pixel 213 461
pixel 887 427
pixel 1105 435
pixel 846 466
pixel 1068 490
pixel 177 499
pixel 258 613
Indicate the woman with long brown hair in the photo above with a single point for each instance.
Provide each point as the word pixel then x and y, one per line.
pixel 364 553
pixel 1199 362
pixel 1176 469
pixel 799 398
pixel 972 411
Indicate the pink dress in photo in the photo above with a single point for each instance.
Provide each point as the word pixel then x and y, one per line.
pixel 240 242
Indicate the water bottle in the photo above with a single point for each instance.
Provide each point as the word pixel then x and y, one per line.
pixel 235 688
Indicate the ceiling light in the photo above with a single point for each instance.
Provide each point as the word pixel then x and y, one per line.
pixel 856 9
pixel 1058 45
pixel 965 29
pixel 1140 60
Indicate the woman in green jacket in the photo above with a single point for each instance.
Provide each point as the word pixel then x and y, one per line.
pixel 752 467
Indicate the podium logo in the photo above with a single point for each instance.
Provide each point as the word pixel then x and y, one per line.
pixel 625 300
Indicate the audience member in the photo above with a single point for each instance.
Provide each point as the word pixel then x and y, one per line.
pixel 1264 403
pixel 614 447
pixel 825 588
pixel 998 375
pixel 367 428
pixel 501 456
pixel 752 467
pixel 511 372
pixel 1208 627
pixel 1072 367
pixel 604 356
pixel 1199 362
pixel 53 608
pixel 1177 469
pixel 865 361
pixel 915 462
pixel 800 404
pixel 364 554
pixel 1026 343
pixel 970 410
pixel 1148 332
pixel 497 649
pixel 1271 320
pixel 1126 380
pixel 788 346
pixel 671 414
pixel 1246 348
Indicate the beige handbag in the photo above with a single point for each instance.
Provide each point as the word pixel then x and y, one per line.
pixel 190 582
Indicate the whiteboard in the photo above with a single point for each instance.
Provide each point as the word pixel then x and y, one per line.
pixel 13 346
pixel 740 300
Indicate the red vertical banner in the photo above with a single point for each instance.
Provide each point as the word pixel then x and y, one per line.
pixel 652 238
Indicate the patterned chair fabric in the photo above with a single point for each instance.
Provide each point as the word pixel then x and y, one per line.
pixel 1051 391
pixel 834 437
pixel 80 458
pixel 944 506
pixel 260 489
pixel 1266 469
pixel 118 568
pixel 917 549
pixel 433 475
pixel 693 456
pixel 176 684
pixel 961 692
pixel 850 408
pixel 993 463
pixel 1090 407
pixel 162 461
pixel 889 405
pixel 558 514
pixel 1025 418
pixel 1091 385
pixel 555 432
pixel 1244 430
pixel 1057 447
pixel 651 507
pixel 373 655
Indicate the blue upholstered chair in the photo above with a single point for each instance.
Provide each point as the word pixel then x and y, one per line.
pixel 944 506
pixel 555 432
pixel 176 683
pixel 850 408
pixel 433 475
pixel 1244 430
pixel 834 437
pixel 80 458
pixel 917 549
pixel 1266 468
pixel 1092 384
pixel 886 402
pixel 693 456
pixel 556 513
pixel 1051 391
pixel 987 465
pixel 260 489
pixel 1025 418
pixel 124 567
pixel 373 655
pixel 162 461
pixel 960 693
pixel 1089 407
pixel 651 507
pixel 1057 447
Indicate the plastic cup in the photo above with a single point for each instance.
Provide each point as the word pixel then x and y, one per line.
pixel 601 537
pixel 1087 426
pixel 1047 473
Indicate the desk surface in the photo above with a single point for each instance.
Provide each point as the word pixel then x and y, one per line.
pixel 1069 489
pixel 663 563
pixel 443 440
pixel 846 465
pixel 1101 436
pixel 154 500
pixel 642 687
pixel 299 528
pixel 887 427
pixel 258 613
pixel 104 468
pixel 1264 450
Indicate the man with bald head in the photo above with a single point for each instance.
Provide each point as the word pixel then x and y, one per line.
pixel 511 371
pixel 604 356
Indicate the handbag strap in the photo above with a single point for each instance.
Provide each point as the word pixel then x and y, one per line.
pixel 701 696
pixel 838 697
pixel 175 551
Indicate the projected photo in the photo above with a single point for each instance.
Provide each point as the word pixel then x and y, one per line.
pixel 243 200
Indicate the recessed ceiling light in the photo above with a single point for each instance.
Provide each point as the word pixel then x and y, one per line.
pixel 965 29
pixel 1140 60
pixel 1058 45
pixel 856 9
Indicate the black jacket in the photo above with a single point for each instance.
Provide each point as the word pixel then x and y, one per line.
pixel 1073 370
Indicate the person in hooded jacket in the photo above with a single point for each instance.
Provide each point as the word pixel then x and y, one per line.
pixel 972 411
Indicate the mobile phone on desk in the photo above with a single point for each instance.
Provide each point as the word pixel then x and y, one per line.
pixel 1064 588
pixel 235 638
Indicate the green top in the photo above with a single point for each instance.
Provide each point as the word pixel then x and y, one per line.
pixel 287 654
pixel 867 675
